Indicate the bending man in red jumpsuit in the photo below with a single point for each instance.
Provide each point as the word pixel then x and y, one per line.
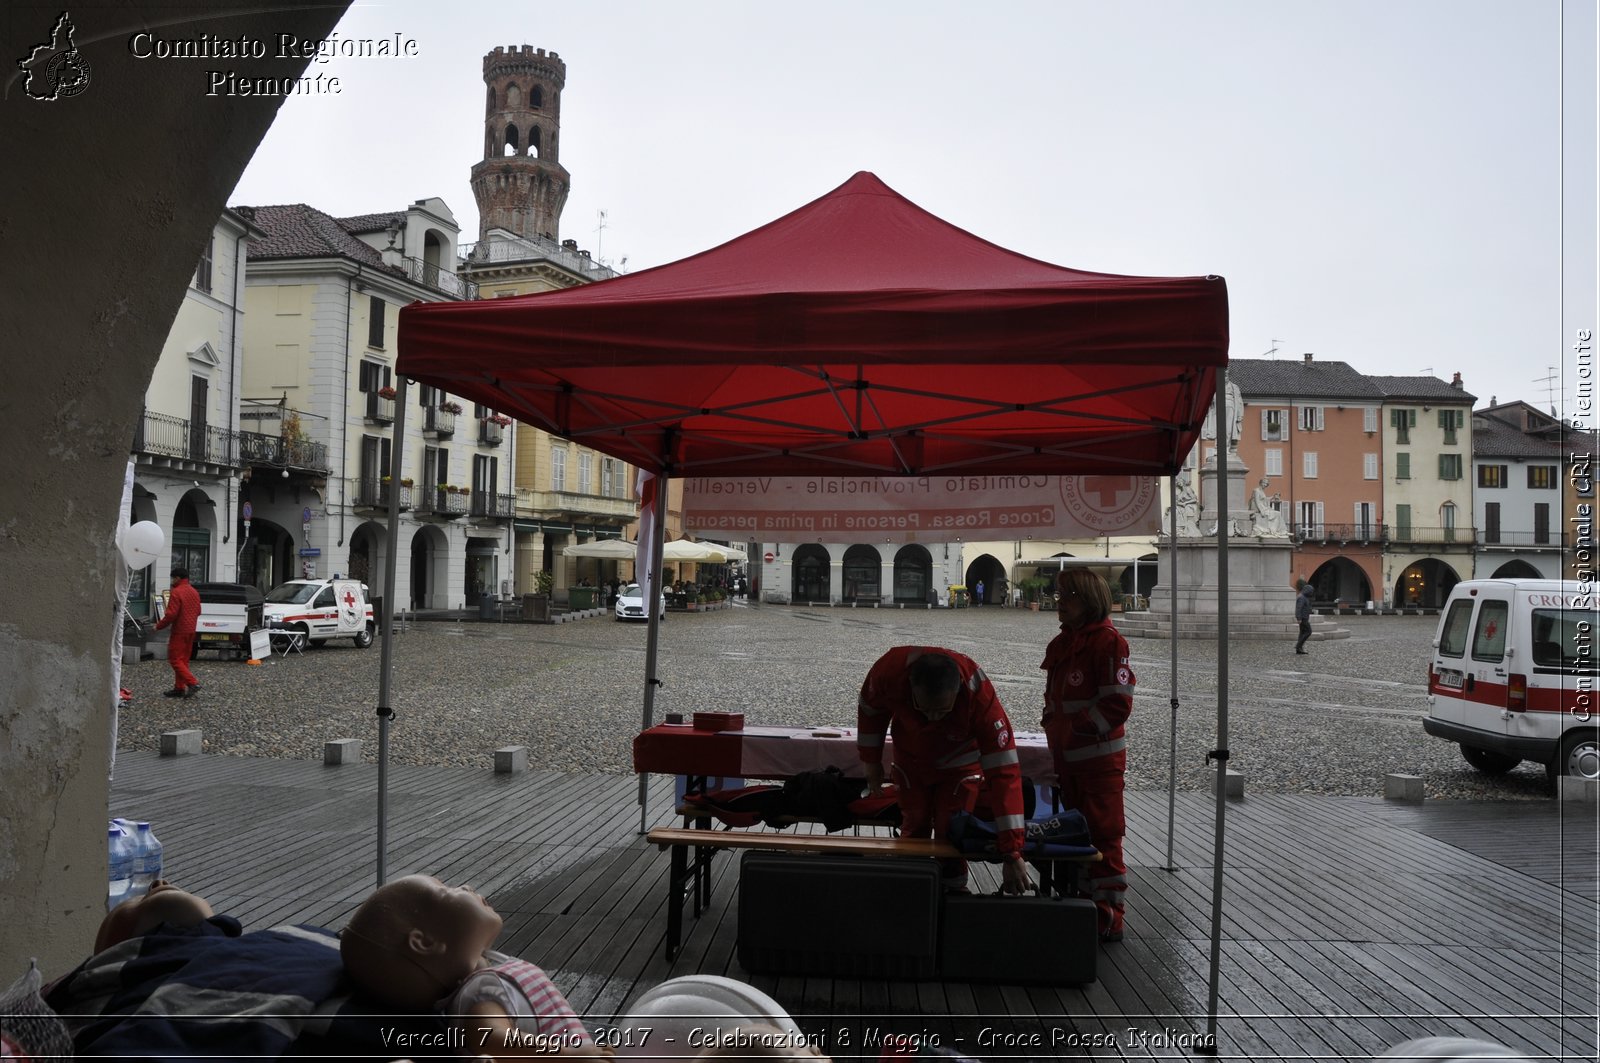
pixel 950 732
pixel 183 611
pixel 1088 695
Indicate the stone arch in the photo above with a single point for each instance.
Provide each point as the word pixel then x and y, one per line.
pixel 1424 584
pixel 862 571
pixel 429 569
pixel 367 545
pixel 512 141
pixel 1340 579
pixel 913 574
pixel 1517 568
pixel 266 558
pixel 193 539
pixel 811 572
pixel 988 570
pixel 533 141
pixel 1148 577
pixel 513 97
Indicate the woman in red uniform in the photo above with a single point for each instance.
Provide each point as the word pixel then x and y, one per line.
pixel 1088 696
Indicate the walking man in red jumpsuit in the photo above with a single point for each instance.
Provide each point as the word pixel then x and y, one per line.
pixel 1087 698
pixel 950 732
pixel 183 611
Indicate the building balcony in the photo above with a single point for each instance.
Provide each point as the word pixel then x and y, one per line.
pixel 439 279
pixel 572 505
pixel 1521 540
pixel 367 493
pixel 490 432
pixel 379 409
pixel 439 421
pixel 1422 535
pixel 494 507
pixel 257 449
pixel 160 439
pixel 1337 533
pixel 436 501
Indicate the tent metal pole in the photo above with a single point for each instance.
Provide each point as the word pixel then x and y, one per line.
pixel 386 659
pixel 653 590
pixel 1172 752
pixel 1224 441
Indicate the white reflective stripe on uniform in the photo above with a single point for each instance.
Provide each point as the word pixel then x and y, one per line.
pixel 1004 756
pixel 871 710
pixel 1099 749
pixel 961 758
pixel 1009 823
pixel 976 682
pixel 869 740
pixel 1101 724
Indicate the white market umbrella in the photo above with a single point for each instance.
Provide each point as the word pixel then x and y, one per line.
pixel 684 550
pixel 611 549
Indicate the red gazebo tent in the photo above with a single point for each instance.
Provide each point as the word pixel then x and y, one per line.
pixel 858 335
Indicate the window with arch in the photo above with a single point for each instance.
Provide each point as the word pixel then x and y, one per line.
pixel 1447 520
pixel 536 97
pixel 513 97
pixel 490 105
pixel 513 141
pixel 533 142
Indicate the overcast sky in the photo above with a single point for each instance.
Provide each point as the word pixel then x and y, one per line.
pixel 1379 182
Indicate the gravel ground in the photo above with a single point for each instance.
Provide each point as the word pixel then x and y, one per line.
pixel 1333 723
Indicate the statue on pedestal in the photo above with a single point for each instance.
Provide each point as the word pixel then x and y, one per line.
pixel 1266 520
pixel 1187 506
pixel 1234 401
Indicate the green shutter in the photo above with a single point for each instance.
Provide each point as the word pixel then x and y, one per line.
pixel 1402 466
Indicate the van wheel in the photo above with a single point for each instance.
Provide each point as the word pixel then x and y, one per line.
pixel 1579 758
pixel 364 639
pixel 305 635
pixel 1487 762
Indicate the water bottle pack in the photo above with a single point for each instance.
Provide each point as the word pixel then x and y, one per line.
pixel 135 860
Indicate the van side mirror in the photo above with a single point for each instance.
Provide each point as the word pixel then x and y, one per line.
pixel 1435 643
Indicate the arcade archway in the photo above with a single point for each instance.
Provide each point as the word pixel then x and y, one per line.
pixel 811 570
pixel 1339 579
pixel 1424 584
pixel 863 573
pixel 991 573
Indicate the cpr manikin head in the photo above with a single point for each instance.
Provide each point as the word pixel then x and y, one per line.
pixel 164 903
pixel 415 940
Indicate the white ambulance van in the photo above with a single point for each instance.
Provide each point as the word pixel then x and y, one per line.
pixel 1513 675
pixel 322 609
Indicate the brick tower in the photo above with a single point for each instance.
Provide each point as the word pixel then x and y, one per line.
pixel 521 185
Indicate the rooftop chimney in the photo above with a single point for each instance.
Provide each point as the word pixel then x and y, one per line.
pixel 1308 357
pixel 1455 382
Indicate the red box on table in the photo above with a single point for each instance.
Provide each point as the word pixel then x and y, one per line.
pixel 719 721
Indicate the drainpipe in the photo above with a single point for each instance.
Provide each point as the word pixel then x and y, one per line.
pixel 235 360
pixel 344 396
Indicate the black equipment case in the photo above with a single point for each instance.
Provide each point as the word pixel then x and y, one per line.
pixel 1046 940
pixel 843 916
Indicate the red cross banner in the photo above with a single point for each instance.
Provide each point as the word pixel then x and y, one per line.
pixel 908 509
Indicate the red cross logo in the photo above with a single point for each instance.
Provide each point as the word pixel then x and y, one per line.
pixel 349 599
pixel 1489 631
pixel 1108 490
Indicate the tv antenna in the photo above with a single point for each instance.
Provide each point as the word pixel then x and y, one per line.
pixel 1272 350
pixel 600 237
pixel 1549 381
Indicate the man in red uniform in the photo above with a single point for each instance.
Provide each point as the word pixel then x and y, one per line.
pixel 183 611
pixel 1088 696
pixel 949 731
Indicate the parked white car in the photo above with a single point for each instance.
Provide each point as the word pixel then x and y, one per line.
pixel 630 603
pixel 322 609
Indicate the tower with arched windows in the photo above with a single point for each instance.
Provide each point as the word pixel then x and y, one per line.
pixel 520 184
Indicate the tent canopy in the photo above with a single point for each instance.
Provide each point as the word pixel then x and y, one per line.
pixel 613 549
pixel 858 335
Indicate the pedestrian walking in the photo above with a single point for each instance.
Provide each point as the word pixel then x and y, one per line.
pixel 977 596
pixel 1302 613
pixel 183 611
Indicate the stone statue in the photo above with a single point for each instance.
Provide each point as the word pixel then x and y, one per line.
pixel 1235 411
pixel 1266 520
pixel 1187 506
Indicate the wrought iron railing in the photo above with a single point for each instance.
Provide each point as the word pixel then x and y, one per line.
pixel 439 279
pixel 490 432
pixel 1521 538
pixel 438 421
pixel 257 448
pixel 502 507
pixel 440 502
pixel 160 434
pixel 379 408
pixel 369 493
pixel 1323 531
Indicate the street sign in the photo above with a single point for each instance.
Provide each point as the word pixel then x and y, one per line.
pixel 769 557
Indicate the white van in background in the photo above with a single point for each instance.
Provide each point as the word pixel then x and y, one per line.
pixel 322 609
pixel 1513 675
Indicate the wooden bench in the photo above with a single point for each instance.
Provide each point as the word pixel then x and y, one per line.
pixel 708 842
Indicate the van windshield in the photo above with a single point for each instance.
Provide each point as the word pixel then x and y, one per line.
pixel 1564 639
pixel 1457 623
pixel 292 593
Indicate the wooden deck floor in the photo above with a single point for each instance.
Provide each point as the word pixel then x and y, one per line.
pixel 1349 923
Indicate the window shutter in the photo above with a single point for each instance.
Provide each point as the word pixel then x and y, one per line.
pixel 1402 466
pixel 1264 434
pixel 1321 414
pixel 1411 418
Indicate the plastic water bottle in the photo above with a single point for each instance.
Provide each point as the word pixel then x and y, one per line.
pixel 146 859
pixel 121 866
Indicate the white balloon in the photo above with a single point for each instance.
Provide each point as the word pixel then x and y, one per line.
pixel 143 544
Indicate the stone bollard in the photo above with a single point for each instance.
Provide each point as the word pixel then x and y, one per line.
pixel 508 760
pixel 1398 787
pixel 1234 784
pixel 180 743
pixel 342 751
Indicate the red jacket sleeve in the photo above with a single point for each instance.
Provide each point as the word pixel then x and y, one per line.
pixel 874 710
pixel 998 747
